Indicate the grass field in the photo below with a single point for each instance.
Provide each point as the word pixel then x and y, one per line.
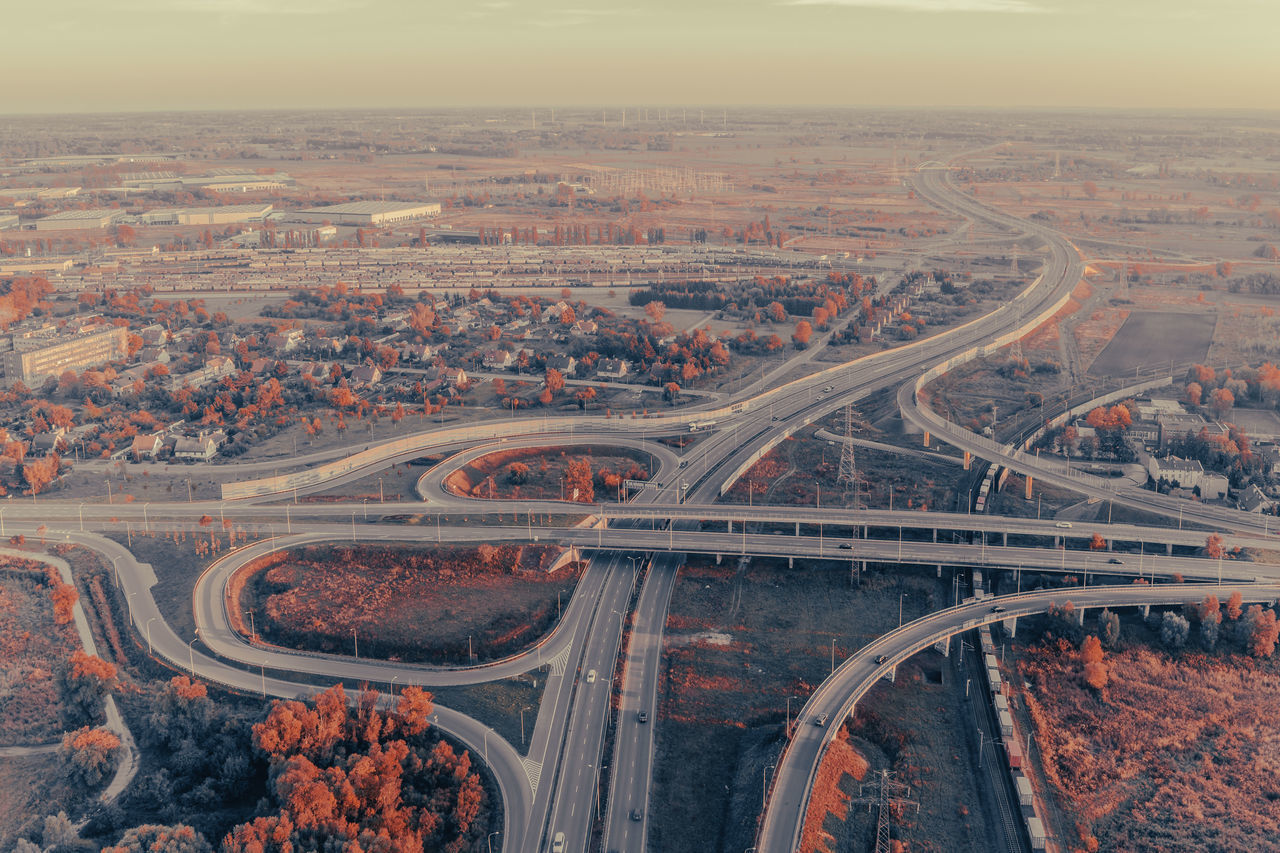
pixel 740 641
pixel 544 472
pixel 1151 338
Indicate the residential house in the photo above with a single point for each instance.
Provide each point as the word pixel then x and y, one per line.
pixel 366 375
pixel 613 368
pixel 1252 499
pixel 145 446
pixel 566 364
pixel 498 359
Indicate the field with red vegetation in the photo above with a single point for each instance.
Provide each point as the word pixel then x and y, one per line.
pixel 545 473
pixel 1172 753
pixel 406 603
pixel 36 636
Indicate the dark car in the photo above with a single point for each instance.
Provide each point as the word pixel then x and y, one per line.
pixel 881 659
pixel 642 717
pixel 636 814
pixel 1116 561
pixel 846 547
pixel 999 608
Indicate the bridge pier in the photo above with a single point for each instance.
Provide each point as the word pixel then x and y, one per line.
pixel 926 438
pixel 1080 615
pixel 1029 479
pixel 791 562
pixel 1168 549
pixel 1005 540
pixel 1146 610
pixel 719 557
pixel 939 569
pixel 892 674
pixel 968 459
pixel 797 528
pixel 730 530
pixel 935 536
pixel 1010 626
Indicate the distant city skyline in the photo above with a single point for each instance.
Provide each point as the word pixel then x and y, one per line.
pixel 122 55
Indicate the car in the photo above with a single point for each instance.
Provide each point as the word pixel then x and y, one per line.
pixel 591 676
pixel 642 717
pixel 820 396
pixel 999 608
pixel 820 720
pixel 636 814
pixel 557 843
pixel 776 418
pixel 827 390
pixel 880 659
pixel 684 463
pixel 1116 561
pixel 846 547
pixel 1065 525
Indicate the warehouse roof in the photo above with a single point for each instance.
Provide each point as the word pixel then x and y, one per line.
pixel 362 207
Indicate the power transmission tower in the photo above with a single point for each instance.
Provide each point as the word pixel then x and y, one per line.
pixel 888 794
pixel 1013 267
pixel 848 471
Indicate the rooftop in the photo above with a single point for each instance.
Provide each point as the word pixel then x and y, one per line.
pixel 370 207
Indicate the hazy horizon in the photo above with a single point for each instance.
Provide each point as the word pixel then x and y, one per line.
pixel 161 55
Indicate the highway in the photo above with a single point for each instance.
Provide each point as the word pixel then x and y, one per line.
pixel 554 788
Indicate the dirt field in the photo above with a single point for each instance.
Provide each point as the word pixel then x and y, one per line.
pixel 434 605
pixel 1150 338
pixel 740 640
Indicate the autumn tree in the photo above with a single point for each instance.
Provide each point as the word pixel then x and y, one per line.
pixel 158 838
pixel 655 310
pixel 1174 629
pixel 1194 393
pixel 84 681
pixel 1095 671
pixel 1260 631
pixel 1097 543
pixel 1213 547
pixel 89 755
pixel 803 332
pixel 1220 402
pixel 517 473
pixel 1108 628
pixel 1233 609
pixel 554 380
pixel 578 484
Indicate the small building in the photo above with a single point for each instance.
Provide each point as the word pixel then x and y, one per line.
pixel 285 341
pixel 454 376
pixel 566 364
pixel 366 375
pixel 200 448
pixel 498 359
pixel 1253 499
pixel 613 368
pixel 145 446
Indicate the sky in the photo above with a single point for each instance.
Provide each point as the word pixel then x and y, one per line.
pixel 121 55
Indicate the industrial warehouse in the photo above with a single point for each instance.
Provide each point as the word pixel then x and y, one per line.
pixel 368 213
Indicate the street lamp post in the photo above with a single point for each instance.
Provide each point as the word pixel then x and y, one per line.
pixel 191 655
pixel 522 710
pixel 149 621
pixel 489 840
pixel 764 785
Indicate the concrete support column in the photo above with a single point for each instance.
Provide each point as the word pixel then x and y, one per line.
pixel 968 458
pixel 926 438
pixel 791 562
pixel 1146 610
pixel 939 569
pixel 1011 626
pixel 797 528
pixel 1029 479
pixel 730 526
pixel 718 558
pixel 1080 615
pixel 1168 548
pixel 935 536
pixel 1005 536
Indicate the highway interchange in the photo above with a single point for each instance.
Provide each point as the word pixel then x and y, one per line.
pixel 556 786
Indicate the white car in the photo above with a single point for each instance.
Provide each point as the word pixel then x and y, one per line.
pixel 591 676
pixel 557 843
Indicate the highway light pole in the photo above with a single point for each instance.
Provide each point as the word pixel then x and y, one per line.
pixel 191 655
pixel 522 710
pixel 489 840
pixel 149 621
pixel 764 785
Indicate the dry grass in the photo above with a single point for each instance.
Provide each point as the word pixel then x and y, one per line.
pixel 1175 754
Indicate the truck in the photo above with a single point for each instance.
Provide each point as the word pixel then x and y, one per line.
pixel 699 426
